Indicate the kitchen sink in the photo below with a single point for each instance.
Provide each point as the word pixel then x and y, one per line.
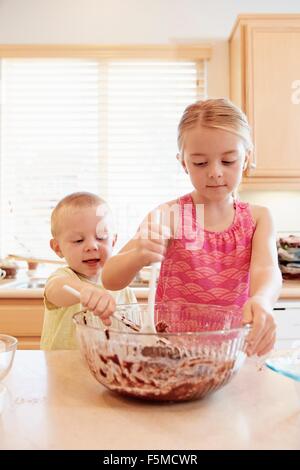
pixel 25 284
pixel 31 284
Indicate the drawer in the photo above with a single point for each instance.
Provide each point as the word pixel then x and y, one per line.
pixel 288 323
pixel 20 317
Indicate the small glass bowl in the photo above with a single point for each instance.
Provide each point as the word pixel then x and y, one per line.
pixel 8 346
pixel 2 397
pixel 287 363
pixel 198 351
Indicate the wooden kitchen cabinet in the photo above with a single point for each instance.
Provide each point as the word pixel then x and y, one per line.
pixel 22 318
pixel 264 69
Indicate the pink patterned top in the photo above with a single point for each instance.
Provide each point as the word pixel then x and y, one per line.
pixel 216 273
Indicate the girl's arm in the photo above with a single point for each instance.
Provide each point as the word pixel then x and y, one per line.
pixel 265 275
pixel 148 246
pixel 120 270
pixel 265 284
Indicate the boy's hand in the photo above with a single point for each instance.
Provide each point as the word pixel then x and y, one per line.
pixel 98 301
pixel 263 335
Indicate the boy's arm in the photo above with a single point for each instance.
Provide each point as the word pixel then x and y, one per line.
pixel 96 300
pixel 55 293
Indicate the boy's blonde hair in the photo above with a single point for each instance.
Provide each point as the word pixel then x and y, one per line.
pixel 215 113
pixel 73 201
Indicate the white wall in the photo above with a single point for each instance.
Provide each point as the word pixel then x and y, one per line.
pixel 152 22
pixel 134 22
pixel 284 205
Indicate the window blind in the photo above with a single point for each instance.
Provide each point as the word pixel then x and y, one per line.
pixel 105 126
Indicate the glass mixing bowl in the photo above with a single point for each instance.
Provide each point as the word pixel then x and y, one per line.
pixel 8 346
pixel 198 350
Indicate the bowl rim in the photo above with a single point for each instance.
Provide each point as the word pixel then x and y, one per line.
pixel 12 341
pixel 243 328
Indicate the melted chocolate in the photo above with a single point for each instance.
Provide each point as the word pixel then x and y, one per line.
pixel 162 327
pixel 161 374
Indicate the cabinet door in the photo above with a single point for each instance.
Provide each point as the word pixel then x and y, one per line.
pixel 272 67
pixel 22 318
pixel 237 68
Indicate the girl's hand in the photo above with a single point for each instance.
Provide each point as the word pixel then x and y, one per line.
pixel 150 243
pixel 148 246
pixel 262 337
pixel 98 301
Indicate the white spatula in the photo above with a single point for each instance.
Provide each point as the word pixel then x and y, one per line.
pixel 148 324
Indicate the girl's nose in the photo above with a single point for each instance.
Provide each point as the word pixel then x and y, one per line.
pixel 215 171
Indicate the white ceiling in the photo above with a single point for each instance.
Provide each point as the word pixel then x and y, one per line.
pixel 126 21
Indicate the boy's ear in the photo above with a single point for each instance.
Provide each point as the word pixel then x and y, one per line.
pixel 182 162
pixel 55 247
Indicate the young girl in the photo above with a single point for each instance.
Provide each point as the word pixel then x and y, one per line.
pixel 232 259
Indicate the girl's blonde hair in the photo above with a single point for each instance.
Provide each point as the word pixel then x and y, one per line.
pixel 215 113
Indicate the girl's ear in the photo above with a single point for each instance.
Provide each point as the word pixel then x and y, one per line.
pixel 114 240
pixel 55 247
pixel 246 162
pixel 181 160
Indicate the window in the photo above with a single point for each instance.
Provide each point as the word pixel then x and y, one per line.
pixel 103 125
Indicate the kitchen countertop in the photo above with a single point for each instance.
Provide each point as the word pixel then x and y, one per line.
pixel 53 402
pixel 9 289
pixel 290 290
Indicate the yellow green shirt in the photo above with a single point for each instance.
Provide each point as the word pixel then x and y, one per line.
pixel 59 331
